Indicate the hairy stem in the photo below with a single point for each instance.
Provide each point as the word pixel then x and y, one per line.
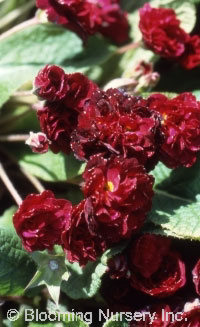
pixel 128 47
pixel 9 185
pixel 14 138
pixel 32 179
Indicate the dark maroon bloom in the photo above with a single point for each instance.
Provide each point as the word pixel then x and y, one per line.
pixel 191 56
pixel 114 24
pixel 160 317
pixel 38 142
pixel 155 269
pixel 58 122
pixel 189 318
pixel 114 122
pixel 54 85
pixel 196 276
pixel 121 194
pixel 51 83
pixel 80 91
pixel 181 127
pixel 40 220
pixel 87 17
pixel 161 31
pixel 66 95
pixel 81 239
pixel 118 267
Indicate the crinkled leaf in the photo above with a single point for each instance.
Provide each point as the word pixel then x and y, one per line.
pixel 13 257
pixel 6 218
pixel 176 215
pixel 182 182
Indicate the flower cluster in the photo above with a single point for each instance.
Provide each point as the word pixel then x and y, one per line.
pixel 163 34
pixel 114 122
pixel 119 137
pixel 86 17
pixel 122 138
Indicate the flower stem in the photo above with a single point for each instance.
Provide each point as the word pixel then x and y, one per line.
pixel 19 27
pixel 14 138
pixel 128 47
pixel 9 185
pixel 32 179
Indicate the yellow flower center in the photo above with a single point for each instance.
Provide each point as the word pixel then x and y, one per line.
pixel 110 186
pixel 164 116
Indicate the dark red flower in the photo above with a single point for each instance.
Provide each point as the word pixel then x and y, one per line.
pixel 181 127
pixel 196 276
pixel 155 269
pixel 40 220
pixel 160 317
pixel 121 193
pixel 73 90
pixel 80 91
pixel 81 239
pixel 161 31
pixel 188 318
pixel 118 267
pixel 191 56
pixel 114 24
pixel 51 83
pixel 38 142
pixel 86 17
pixel 114 122
pixel 58 122
pixel 68 94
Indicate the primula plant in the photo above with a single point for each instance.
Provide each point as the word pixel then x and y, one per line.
pixel 100 163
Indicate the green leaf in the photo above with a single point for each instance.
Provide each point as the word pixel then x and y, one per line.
pixel 51 167
pixel 48 166
pixel 176 215
pixel 182 182
pixel 197 94
pixel 51 271
pixel 84 282
pixel 42 44
pixel 6 218
pixel 13 257
pixel 186 12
